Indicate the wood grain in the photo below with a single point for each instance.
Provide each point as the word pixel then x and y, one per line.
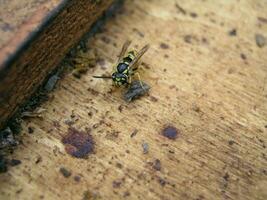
pixel 208 79
pixel 43 32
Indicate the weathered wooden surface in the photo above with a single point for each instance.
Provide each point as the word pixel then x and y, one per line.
pixel 209 84
pixel 18 19
pixel 35 36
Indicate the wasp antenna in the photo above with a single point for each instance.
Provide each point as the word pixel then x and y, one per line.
pixel 109 77
pixel 147 46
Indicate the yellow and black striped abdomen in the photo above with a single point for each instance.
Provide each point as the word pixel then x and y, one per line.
pixel 123 66
pixel 129 58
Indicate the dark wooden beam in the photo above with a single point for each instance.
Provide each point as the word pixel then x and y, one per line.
pixel 36 42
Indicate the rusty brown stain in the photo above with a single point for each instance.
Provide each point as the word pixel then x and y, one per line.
pixel 78 143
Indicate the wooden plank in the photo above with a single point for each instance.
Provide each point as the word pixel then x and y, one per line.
pixel 35 40
pixel 208 81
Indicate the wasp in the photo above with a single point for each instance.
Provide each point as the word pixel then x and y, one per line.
pixel 126 66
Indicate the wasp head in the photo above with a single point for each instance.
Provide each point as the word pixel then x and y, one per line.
pixel 119 78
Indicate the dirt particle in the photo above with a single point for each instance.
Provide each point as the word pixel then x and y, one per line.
pixel 170 132
pixel 116 184
pixel 30 129
pixel 188 39
pixel 262 19
pixel 193 15
pixel 90 114
pixel 14 162
pixel 172 87
pixel 134 133
pixel 51 83
pixel 38 160
pixel 162 182
pixel 164 45
pixel 119 165
pixel 196 108
pixel 105 39
pixel 153 99
pixel 66 173
pixel 226 176
pixel 260 40
pixel 145 147
pixel 120 108
pixel 232 32
pixel 77 178
pixel 231 142
pixel 243 56
pixel 7 138
pixel 205 40
pixel 157 165
pixel 171 151
pixel 78 143
pixel 126 194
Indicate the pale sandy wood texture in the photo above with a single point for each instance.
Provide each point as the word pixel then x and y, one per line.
pixel 208 79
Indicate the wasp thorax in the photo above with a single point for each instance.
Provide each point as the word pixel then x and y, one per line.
pixel 119 78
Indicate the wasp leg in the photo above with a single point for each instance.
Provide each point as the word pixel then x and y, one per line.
pixel 138 75
pixel 130 79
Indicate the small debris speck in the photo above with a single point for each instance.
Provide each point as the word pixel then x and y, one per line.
pixel 188 38
pixel 170 132
pixel 77 178
pixel 134 133
pixel 30 129
pixel 194 15
pixel 50 84
pixel 162 182
pixel 38 160
pixel 119 165
pixel 7 138
pixel 164 46
pixel 232 32
pixel 243 56
pixel 14 162
pixel 226 176
pixel 116 184
pixel 260 40
pixel 157 165
pixel 231 142
pixel 145 147
pixel 126 194
pixel 66 173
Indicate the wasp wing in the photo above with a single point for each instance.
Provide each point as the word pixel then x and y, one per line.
pixel 123 50
pixel 138 56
